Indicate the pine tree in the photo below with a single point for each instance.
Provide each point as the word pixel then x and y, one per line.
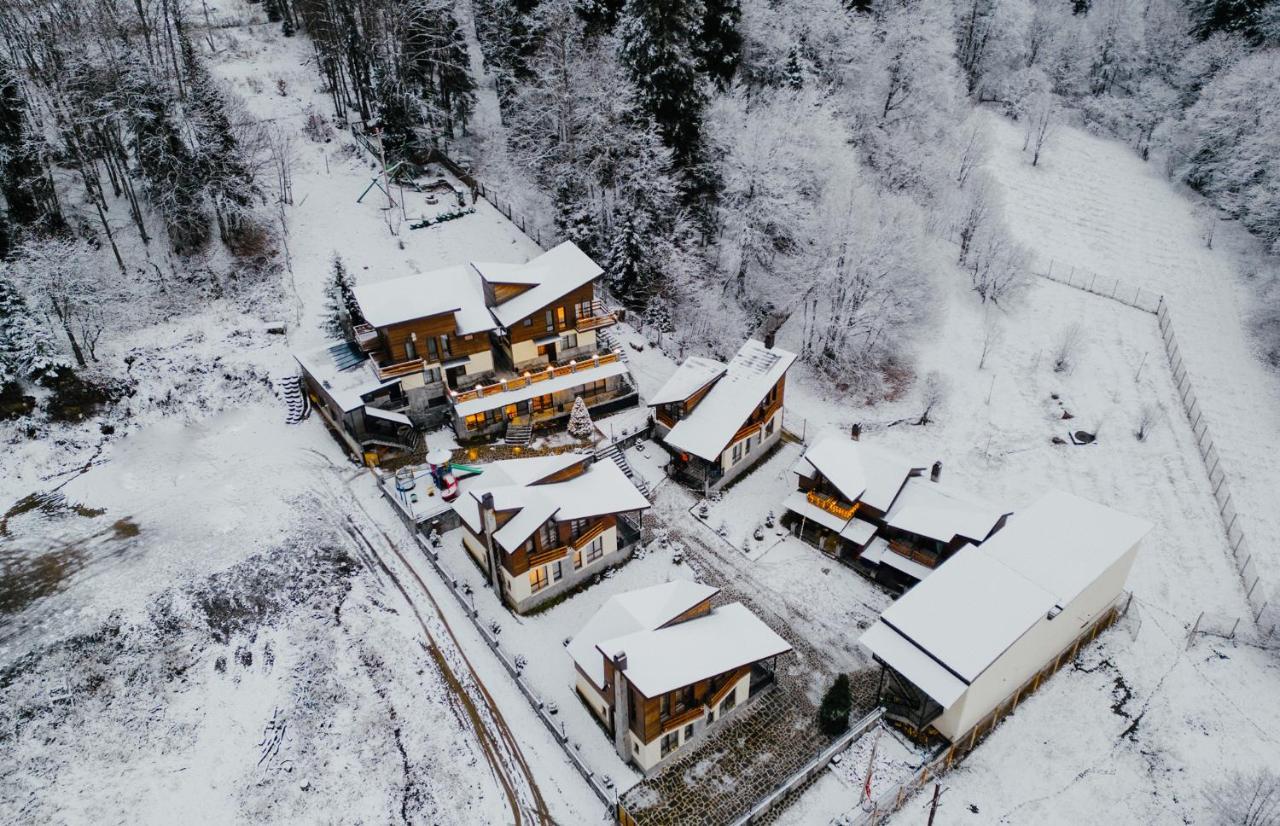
pixel 629 276
pixel 23 182
pixel 658 48
pixel 793 72
pixel 580 424
pixel 26 348
pixel 837 704
pixel 575 218
pixel 341 307
pixel 720 46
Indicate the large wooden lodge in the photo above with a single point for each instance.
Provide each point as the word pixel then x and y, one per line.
pixel 490 348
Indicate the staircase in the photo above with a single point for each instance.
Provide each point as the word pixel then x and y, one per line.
pixel 606 337
pixel 289 389
pixel 518 434
pixel 620 459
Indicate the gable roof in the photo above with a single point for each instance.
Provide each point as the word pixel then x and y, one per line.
pixel 518 485
pixel 343 372
pixel 456 289
pixel 943 633
pixel 664 659
pixel 693 374
pixel 861 471
pixel 555 273
pixel 706 430
pixel 939 511
pixel 625 613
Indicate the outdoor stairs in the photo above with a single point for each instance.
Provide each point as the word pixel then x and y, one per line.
pixel 290 390
pixel 612 344
pixel 518 434
pixel 620 459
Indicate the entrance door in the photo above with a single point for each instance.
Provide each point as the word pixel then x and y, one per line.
pixel 510 411
pixel 548 350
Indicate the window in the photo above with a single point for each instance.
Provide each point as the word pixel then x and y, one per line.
pixel 711 717
pixel 548 534
pixel 538 578
pixel 670 742
pixel 410 349
pixel 583 309
pixel 664 706
pixel 431 375
pixel 737 453
pixel 475 420
pixel 528 322
pixel 729 703
pixel 433 352
pixel 560 316
pixel 557 570
pixel 768 429
pixel 570 341
pixel 551 322
pixel 577 559
pixel 444 346
pixel 596 549
pixel 746 448
pixel 577 527
pixel 688 731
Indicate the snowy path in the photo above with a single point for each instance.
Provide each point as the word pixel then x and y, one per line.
pixel 1093 204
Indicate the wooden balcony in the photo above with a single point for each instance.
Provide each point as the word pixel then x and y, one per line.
pixel 548 555
pixel 757 422
pixel 903 549
pixel 528 379
pixel 595 530
pixel 680 718
pixel 395 369
pixel 367 338
pixel 832 505
pixel 600 317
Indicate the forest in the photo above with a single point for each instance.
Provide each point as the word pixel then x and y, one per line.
pixel 732 164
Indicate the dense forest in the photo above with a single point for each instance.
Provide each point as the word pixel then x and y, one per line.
pixel 731 163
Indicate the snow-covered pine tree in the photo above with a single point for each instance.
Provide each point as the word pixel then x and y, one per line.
pixel 720 42
pixel 26 348
pixel 23 182
pixel 341 309
pixel 629 274
pixel 580 424
pixel 658 49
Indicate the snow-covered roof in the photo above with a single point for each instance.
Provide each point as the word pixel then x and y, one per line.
pixel 860 471
pixel 387 415
pixel 517 485
pixel 568 381
pixel 858 531
pixel 693 374
pixel 707 429
pixel 667 658
pixel 798 503
pixel 1063 542
pixel 557 272
pixel 640 610
pixel 979 602
pixel 343 372
pixel 939 511
pixel 456 289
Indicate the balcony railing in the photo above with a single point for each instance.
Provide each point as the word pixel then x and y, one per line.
pixel 367 338
pixel 528 379
pixel 548 555
pixel 395 369
pixel 832 505
pixel 600 317
pixel 902 549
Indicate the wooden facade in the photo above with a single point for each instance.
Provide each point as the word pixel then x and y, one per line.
pixel 565 312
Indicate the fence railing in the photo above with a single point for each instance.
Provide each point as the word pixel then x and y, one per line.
pixel 1103 285
pixel 1257 592
pixel 505 207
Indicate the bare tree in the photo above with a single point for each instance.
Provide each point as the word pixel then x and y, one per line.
pixel 975 213
pixel 933 395
pixel 992 335
pixel 971 155
pixel 1041 119
pixel 67 284
pixel 1248 799
pixel 997 264
pixel 1207 218
pixel 1065 347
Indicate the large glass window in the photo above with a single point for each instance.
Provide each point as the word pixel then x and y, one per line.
pixel 596 549
pixel 538 578
pixel 670 742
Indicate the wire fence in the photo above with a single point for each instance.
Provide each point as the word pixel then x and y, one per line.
pixel 1105 286
pixel 1266 615
pixel 514 216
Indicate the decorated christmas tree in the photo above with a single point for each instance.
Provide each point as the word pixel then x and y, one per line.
pixel 580 426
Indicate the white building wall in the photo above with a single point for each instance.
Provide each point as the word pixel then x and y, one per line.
pixel 476 548
pixel 521 584
pixel 599 704
pixel 650 755
pixel 1034 650
pixel 481 362
pixel 734 469
pixel 523 352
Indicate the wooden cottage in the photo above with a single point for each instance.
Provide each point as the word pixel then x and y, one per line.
pixel 540 526
pixel 717 420
pixel 658 666
pixel 874 508
pixel 983 626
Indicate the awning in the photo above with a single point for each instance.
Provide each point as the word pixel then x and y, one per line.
pixel 798 503
pixel 858 531
pixel 547 339
pixel 875 551
pixel 387 415
pixel 458 362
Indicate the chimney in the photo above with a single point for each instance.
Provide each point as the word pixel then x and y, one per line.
pixel 936 473
pixel 489 524
pixel 855 432
pixel 621 709
pixel 768 340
